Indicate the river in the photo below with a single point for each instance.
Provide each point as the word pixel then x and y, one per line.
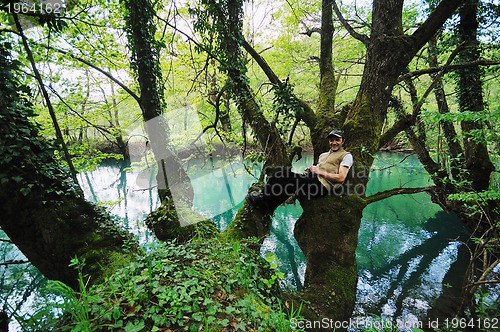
pixel 406 244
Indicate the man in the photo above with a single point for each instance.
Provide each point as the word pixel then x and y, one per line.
pixel 317 180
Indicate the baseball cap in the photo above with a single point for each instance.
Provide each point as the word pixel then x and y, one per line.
pixel 335 132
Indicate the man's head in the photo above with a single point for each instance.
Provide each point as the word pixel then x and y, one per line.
pixel 335 139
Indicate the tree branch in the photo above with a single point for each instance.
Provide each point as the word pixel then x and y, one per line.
pixel 399 126
pixel 407 121
pixel 92 125
pixel 362 38
pixel 13 262
pixel 434 22
pixel 307 114
pixel 396 191
pixel 46 97
pixel 217 116
pixel 105 73
pixel 191 39
pixel 447 69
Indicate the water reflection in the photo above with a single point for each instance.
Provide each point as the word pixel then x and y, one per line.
pixel 406 243
pixel 121 191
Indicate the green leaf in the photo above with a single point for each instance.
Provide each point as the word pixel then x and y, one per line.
pixel 116 313
pixel 241 326
pixel 118 323
pixel 272 259
pixel 25 191
pixel 131 327
pixel 17 179
pixel 198 316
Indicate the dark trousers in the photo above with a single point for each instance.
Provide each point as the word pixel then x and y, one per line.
pixel 285 183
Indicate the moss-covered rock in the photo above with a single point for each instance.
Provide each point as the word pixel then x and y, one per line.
pixel 165 224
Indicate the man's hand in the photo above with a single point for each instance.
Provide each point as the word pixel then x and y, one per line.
pixel 340 177
pixel 314 169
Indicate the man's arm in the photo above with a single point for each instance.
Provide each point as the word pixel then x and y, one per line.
pixel 332 177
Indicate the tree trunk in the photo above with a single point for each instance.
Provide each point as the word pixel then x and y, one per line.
pixel 327 233
pixel 42 212
pixel 325 111
pixel 250 111
pixel 174 186
pixel 450 134
pixel 388 54
pixel 470 96
pixel 248 222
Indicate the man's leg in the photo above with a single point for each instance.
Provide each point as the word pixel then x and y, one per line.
pixel 279 187
pixel 310 187
pixel 284 184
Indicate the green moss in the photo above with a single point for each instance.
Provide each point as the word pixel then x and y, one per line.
pixel 165 223
pixel 249 223
pixel 367 125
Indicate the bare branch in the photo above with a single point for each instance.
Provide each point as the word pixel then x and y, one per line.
pixel 409 120
pixel 217 116
pixel 92 125
pixel 105 73
pixel 307 114
pixel 191 39
pixel 418 106
pixel 398 163
pixel 310 31
pixel 362 38
pixel 484 282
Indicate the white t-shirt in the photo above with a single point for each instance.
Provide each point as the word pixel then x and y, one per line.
pixel 347 161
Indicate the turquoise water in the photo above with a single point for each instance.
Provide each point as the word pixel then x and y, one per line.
pixel 406 243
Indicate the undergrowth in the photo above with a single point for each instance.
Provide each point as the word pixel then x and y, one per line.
pixel 206 285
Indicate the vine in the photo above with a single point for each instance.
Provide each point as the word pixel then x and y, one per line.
pixel 286 104
pixel 25 154
pixel 220 24
pixel 145 51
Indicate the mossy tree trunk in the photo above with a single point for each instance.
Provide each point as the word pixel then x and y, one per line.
pixel 327 233
pixel 248 223
pixel 470 98
pixel 41 210
pixel 174 186
pixel 326 115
